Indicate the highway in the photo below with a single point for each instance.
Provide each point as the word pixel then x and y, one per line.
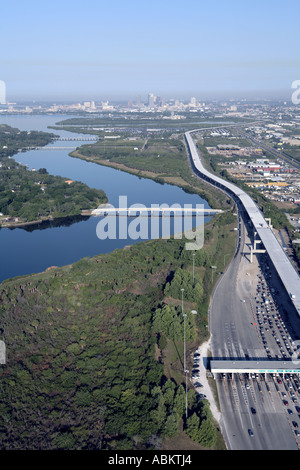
pixel 236 335
pixel 288 275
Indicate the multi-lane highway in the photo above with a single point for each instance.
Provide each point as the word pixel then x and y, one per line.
pixel 247 321
pixel 289 277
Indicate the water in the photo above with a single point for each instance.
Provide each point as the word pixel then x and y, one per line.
pixel 31 250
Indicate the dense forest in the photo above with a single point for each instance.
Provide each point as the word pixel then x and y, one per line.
pixel 86 347
pixel 36 195
pixel 13 140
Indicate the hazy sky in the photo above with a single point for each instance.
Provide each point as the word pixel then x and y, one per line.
pixel 96 49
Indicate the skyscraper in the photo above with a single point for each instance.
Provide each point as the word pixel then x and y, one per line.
pixel 151 100
pixel 2 92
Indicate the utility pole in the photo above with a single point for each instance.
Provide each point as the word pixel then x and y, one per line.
pixel 212 272
pixel 184 355
pixel 193 255
pixel 184 334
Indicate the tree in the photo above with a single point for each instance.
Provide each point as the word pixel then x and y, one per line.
pixel 35 323
pixel 207 433
pixel 182 279
pixel 64 441
pixel 159 414
pixel 179 400
pixel 83 398
pixel 169 392
pixel 192 398
pixel 171 427
pixel 192 429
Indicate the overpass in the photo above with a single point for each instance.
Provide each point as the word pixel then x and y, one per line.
pixel 285 270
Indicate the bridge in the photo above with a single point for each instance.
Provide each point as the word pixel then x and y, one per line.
pixel 153 211
pixel 77 139
pixel 71 147
pixel 55 148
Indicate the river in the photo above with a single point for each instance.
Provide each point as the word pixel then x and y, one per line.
pixel 25 251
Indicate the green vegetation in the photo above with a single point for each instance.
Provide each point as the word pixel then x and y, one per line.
pixel 162 159
pixel 156 155
pixel 292 151
pixel 150 120
pixel 87 348
pixel 12 140
pixel 168 321
pixel 151 146
pixel 36 195
pixel 200 427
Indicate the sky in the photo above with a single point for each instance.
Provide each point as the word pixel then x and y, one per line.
pixel 70 50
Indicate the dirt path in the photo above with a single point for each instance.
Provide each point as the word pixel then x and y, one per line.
pixel 202 378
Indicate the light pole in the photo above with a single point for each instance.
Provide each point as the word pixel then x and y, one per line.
pixel 186 396
pixel 184 333
pixel 184 355
pixel 212 272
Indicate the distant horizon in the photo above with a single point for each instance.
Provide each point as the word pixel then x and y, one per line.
pixel 280 95
pixel 66 50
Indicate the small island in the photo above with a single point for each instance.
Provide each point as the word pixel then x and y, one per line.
pixel 33 196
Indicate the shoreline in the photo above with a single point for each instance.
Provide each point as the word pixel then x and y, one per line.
pixel 156 177
pixel 12 225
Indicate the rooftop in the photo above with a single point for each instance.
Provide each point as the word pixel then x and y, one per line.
pixel 255 366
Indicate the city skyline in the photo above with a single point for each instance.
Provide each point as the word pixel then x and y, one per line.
pixel 63 51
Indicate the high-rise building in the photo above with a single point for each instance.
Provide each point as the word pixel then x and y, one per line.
pixel 151 100
pixel 2 92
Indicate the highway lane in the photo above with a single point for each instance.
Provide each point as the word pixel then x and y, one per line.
pixel 230 310
pixel 268 420
pixel 235 335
